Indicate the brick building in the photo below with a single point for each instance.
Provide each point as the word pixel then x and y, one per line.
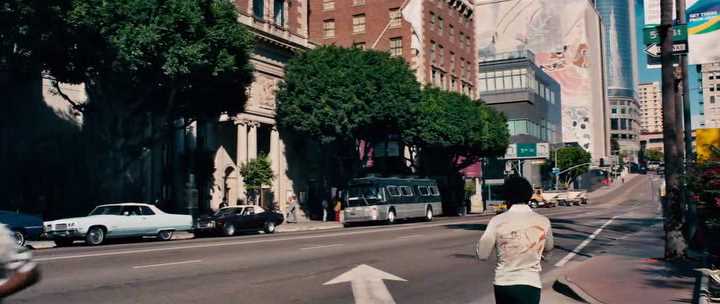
pixel 436 37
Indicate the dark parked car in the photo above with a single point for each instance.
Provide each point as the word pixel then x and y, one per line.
pixel 230 220
pixel 25 227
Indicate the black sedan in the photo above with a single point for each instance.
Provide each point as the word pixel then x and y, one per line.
pixel 24 227
pixel 231 220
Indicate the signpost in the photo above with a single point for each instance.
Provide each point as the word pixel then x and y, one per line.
pixel 527 151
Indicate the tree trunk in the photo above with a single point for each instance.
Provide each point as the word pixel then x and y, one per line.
pixel 675 243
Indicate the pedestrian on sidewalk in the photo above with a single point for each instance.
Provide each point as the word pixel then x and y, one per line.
pixel 292 209
pixel 325 209
pixel 17 270
pixel 519 237
pixel 337 208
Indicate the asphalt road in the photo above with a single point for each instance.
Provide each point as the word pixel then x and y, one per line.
pixel 435 259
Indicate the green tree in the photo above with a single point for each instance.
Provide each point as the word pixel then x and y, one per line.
pixel 452 131
pixel 458 129
pixel 568 157
pixel 345 98
pixel 653 155
pixel 256 173
pixel 146 65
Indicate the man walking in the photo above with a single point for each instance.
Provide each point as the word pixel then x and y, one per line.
pixel 17 271
pixel 325 209
pixel 292 209
pixel 519 237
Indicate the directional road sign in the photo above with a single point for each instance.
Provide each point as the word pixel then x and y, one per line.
pixel 654 50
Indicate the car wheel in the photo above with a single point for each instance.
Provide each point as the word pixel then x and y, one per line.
pixel 19 238
pixel 429 215
pixel 95 236
pixel 229 229
pixel 269 227
pixel 391 217
pixel 64 242
pixel 165 235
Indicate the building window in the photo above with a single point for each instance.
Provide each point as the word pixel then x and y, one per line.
pixel 462 39
pixel 451 29
pixel 328 5
pixel 279 13
pixel 453 83
pixel 329 28
pixel 432 51
pixel 396 48
pixel 359 23
pixel 432 21
pixel 613 124
pixel 359 45
pixel 358 2
pixel 441 52
pixel 259 9
pixel 452 62
pixel 712 99
pixel 441 25
pixel 395 17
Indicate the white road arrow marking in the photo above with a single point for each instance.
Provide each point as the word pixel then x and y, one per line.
pixel 367 284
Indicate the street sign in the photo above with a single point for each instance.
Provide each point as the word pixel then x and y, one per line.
pixel 651 35
pixel 654 50
pixel 528 151
pixel 555 171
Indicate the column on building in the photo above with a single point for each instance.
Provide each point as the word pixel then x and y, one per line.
pixel 241 155
pixel 252 140
pixel 275 161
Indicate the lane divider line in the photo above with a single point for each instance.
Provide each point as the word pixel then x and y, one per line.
pixel 167 264
pixel 409 236
pixel 321 246
pixel 584 243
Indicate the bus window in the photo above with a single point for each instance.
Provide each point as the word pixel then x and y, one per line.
pixel 434 191
pixel 362 195
pixel 393 191
pixel 406 191
pixel 423 190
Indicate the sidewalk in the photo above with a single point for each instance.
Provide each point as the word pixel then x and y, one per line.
pixel 630 272
pixel 309 225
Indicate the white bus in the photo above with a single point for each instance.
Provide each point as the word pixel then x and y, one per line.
pixel 372 199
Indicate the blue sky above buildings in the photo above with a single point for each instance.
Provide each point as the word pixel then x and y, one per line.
pixel 650 75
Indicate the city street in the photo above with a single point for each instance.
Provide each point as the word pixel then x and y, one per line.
pixel 424 262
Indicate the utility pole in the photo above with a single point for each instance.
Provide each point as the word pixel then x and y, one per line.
pixel 675 245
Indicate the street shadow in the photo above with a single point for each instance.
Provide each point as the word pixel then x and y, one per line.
pixel 475 227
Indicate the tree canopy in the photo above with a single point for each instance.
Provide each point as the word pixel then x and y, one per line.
pixel 458 126
pixel 339 95
pixel 653 155
pixel 568 157
pixel 257 172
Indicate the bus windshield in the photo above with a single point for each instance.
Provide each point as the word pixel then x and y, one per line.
pixel 364 195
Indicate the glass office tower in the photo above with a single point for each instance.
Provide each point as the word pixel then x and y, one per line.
pixel 619 50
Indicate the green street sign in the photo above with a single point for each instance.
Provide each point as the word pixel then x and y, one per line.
pixel 527 150
pixel 652 36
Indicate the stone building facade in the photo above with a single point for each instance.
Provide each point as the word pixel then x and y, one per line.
pixel 280 29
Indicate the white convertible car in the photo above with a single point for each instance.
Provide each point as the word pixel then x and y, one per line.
pixel 117 221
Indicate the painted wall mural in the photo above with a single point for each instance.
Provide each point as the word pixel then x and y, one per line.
pixel 565 38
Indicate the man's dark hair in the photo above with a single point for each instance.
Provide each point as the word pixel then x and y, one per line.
pixel 517 190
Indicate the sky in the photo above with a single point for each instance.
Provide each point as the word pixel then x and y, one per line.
pixel 650 75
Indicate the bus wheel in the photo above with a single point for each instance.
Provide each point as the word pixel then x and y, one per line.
pixel 391 217
pixel 428 214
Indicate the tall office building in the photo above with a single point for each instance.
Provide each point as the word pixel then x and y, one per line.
pixel 710 83
pixel 620 47
pixel 651 112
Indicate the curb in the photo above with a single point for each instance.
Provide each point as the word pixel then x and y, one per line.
pixel 567 287
pixel 296 229
pixel 704 290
